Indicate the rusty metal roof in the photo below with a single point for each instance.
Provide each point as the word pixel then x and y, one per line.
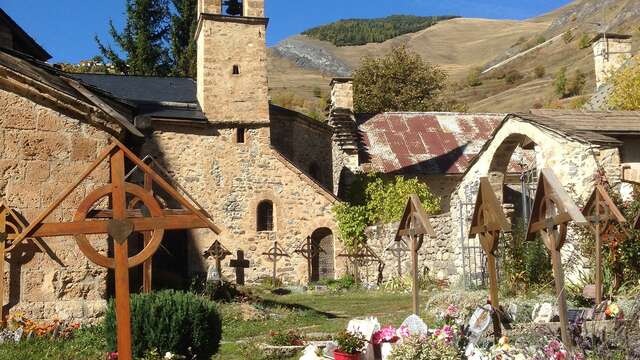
pixel 424 143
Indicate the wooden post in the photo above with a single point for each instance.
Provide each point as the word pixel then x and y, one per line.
pixel 121 254
pixel 415 289
pixel 598 265
pixel 493 296
pixel 556 261
pixel 147 266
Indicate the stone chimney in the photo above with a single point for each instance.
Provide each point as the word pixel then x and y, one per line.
pixel 232 63
pixel 345 134
pixel 610 52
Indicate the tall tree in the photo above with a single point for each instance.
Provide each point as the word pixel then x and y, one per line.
pixel 401 81
pixel 183 45
pixel 143 39
pixel 626 87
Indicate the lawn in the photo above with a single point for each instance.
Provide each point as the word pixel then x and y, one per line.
pixel 244 325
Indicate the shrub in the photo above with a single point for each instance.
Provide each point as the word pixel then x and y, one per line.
pixel 626 88
pixel 567 36
pixel 424 348
pixel 473 79
pixel 540 71
pixel 169 321
pixel 289 338
pixel 350 343
pixel 584 42
pixel 513 76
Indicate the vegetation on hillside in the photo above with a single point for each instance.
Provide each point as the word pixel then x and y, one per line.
pixel 363 31
pixel 401 81
pixel 626 88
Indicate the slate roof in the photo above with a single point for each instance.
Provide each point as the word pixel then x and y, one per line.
pixel 603 122
pixel 424 143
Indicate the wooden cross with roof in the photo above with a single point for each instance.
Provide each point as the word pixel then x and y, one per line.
pixel 603 214
pixel 119 222
pixel 487 222
pixel 552 211
pixel 414 224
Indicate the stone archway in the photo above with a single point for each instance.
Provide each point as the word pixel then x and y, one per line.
pixel 322 266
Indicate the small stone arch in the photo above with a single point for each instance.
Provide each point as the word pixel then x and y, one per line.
pixel 250 221
pixel 322 264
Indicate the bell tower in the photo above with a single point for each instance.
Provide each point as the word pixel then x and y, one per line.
pixel 232 61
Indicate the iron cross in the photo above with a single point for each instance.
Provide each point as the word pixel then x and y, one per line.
pixel 239 263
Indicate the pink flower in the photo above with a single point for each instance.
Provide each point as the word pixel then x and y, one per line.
pixel 452 311
pixel 112 356
pixel 403 331
pixel 385 335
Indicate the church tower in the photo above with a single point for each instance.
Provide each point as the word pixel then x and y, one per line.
pixel 232 62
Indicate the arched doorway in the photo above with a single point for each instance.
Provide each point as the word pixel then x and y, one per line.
pixel 322 266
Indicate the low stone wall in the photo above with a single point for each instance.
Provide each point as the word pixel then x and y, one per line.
pixel 436 256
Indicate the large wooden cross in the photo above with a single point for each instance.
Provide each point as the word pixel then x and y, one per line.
pixel 601 212
pixel 552 211
pixel 119 222
pixel 487 222
pixel 273 255
pixel 414 225
pixel 309 249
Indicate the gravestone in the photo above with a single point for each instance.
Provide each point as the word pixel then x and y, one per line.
pixel 544 313
pixel 479 322
pixel 239 263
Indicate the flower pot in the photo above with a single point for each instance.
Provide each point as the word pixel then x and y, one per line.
pixel 339 355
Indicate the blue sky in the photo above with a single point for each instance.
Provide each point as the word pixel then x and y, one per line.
pixel 66 28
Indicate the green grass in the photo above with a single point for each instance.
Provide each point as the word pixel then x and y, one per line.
pixel 88 343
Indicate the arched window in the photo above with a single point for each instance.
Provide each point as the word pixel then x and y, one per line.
pixel 265 216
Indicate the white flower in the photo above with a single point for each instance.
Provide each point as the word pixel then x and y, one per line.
pixel 168 355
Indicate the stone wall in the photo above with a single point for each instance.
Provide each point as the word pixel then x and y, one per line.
pixel 609 56
pixel 230 180
pixel 43 151
pixel 304 141
pixel 436 256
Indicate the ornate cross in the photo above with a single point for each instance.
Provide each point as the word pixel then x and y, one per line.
pixel 414 225
pixel 398 248
pixel 552 210
pixel 487 222
pixel 361 255
pixel 273 255
pixel 603 214
pixel 309 249
pixel 239 263
pixel 217 252
pixel 119 222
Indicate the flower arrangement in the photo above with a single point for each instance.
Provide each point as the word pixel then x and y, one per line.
pixel 613 311
pixel 389 334
pixel 424 348
pixel 349 343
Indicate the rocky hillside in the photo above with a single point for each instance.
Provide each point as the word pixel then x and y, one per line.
pixel 303 66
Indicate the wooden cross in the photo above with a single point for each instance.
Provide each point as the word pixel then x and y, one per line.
pixel 308 249
pixel 119 222
pixel 487 222
pixel 217 252
pixel 239 263
pixel 398 248
pixel 601 212
pixel 275 253
pixel 552 210
pixel 414 225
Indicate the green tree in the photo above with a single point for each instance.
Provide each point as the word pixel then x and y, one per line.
pixel 142 40
pixel 560 82
pixel 183 45
pixel 626 88
pixel 473 78
pixel 401 81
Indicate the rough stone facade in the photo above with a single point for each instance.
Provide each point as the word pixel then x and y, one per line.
pixel 230 187
pixel 610 53
pixel 43 151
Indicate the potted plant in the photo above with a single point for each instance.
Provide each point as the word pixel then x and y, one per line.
pixel 384 339
pixel 349 345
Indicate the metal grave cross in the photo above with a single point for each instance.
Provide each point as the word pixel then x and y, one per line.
pixel 414 225
pixel 398 248
pixel 273 255
pixel 602 214
pixel 239 263
pixel 360 256
pixel 552 210
pixel 309 249
pixel 487 222
pixel 119 222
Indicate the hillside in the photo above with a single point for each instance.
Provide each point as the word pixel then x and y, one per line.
pixel 300 63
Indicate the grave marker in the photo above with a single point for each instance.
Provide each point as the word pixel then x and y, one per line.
pixel 414 225
pixel 119 222
pixel 308 249
pixel 239 263
pixel 361 255
pixel 398 249
pixel 217 252
pixel 487 222
pixel 603 214
pixel 552 210
pixel 273 255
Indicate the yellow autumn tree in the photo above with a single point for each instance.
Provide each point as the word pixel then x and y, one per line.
pixel 626 88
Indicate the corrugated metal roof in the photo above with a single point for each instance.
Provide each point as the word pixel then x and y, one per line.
pixel 424 143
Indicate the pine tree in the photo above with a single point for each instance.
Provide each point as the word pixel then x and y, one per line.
pixel 183 45
pixel 142 40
